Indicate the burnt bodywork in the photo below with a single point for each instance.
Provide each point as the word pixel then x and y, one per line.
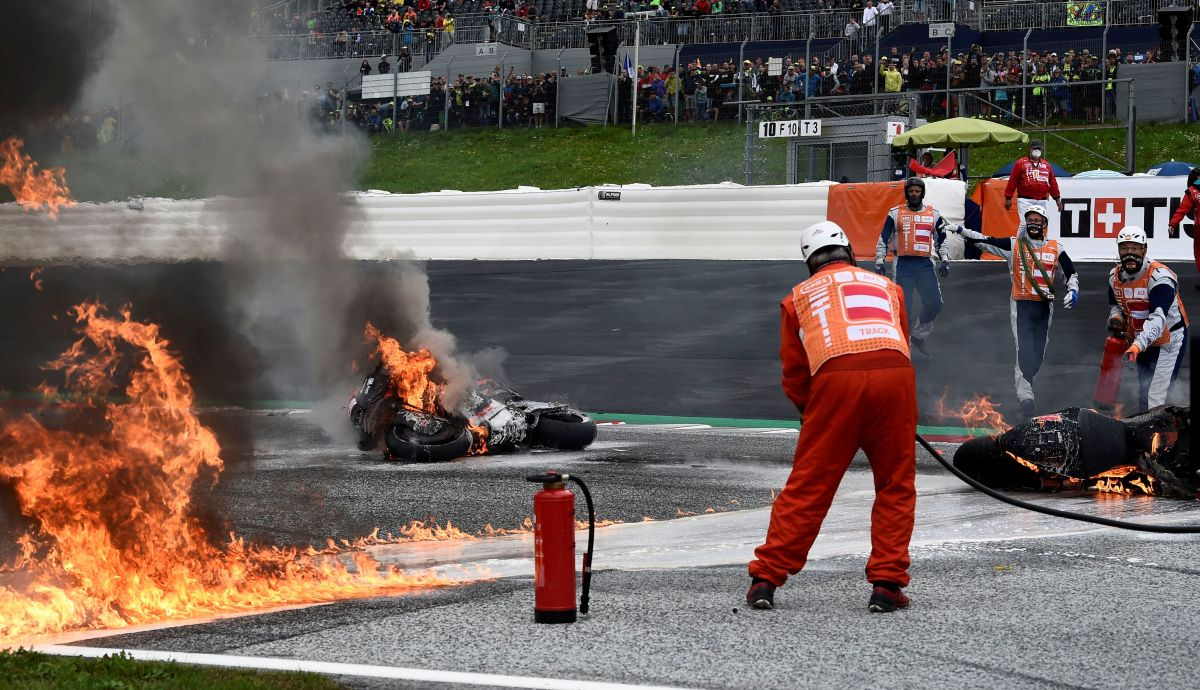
pixel 493 419
pixel 1079 447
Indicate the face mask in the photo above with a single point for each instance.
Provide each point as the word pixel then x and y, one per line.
pixel 1034 230
pixel 1035 154
pixel 1131 263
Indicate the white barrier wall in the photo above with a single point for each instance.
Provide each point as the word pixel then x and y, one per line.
pixel 723 221
pixel 1095 210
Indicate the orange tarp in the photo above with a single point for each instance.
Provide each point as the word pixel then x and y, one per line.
pixel 996 221
pixel 860 208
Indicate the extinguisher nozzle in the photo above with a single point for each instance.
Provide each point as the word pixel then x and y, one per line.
pixel 550 477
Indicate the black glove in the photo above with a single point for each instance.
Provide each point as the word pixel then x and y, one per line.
pixel 879 269
pixel 944 269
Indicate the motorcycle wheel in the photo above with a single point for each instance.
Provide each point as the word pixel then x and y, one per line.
pixel 568 430
pixel 449 443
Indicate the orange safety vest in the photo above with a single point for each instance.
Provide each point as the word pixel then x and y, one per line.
pixel 1134 298
pixel 1023 283
pixel 848 311
pixel 914 231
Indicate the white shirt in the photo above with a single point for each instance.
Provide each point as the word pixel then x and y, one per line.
pixel 851 29
pixel 885 8
pixel 869 15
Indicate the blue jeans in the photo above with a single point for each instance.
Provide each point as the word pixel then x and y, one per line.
pixel 914 274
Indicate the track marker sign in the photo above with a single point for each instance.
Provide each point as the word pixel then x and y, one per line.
pixel 895 129
pixel 941 30
pixel 789 128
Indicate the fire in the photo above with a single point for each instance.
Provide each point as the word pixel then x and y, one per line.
pixel 980 413
pixel 976 413
pixel 34 276
pixel 412 382
pixel 114 540
pixel 1126 480
pixel 32 188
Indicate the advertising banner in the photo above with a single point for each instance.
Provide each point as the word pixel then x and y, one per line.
pixel 1095 210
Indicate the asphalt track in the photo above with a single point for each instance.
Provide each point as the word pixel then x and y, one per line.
pixel 1002 597
pixel 687 338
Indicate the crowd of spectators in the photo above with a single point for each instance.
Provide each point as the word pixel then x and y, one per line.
pixel 996 78
pixel 516 100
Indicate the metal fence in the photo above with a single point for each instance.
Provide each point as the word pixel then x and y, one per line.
pixel 1006 15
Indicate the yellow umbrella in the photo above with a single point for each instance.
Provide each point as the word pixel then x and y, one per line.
pixel 959 131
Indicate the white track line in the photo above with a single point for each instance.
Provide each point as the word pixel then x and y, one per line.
pixel 336 669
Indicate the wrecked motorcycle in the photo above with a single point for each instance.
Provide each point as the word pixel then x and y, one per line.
pixel 493 419
pixel 1149 453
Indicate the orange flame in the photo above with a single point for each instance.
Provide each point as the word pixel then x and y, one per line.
pixel 32 188
pixel 37 282
pixel 1126 480
pixel 116 541
pixel 411 379
pixel 980 413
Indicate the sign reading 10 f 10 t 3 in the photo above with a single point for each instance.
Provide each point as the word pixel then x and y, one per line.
pixel 789 128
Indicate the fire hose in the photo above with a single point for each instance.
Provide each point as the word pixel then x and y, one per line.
pixel 1001 496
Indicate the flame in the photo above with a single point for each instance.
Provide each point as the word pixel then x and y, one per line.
pixel 980 413
pixel 1126 480
pixel 32 188
pixel 410 375
pixel 1022 461
pixel 115 541
pixel 33 275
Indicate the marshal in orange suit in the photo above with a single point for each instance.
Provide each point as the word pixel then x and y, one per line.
pixel 847 369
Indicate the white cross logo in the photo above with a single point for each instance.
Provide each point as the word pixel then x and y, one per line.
pixel 1108 219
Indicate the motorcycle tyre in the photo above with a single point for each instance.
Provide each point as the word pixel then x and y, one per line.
pixel 403 444
pixel 563 431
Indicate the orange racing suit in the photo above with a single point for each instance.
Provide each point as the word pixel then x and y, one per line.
pixel 846 367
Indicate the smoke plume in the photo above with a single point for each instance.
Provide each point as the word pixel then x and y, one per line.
pixel 204 101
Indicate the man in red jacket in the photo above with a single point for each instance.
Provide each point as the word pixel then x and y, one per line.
pixel 1189 208
pixel 1032 180
pixel 846 368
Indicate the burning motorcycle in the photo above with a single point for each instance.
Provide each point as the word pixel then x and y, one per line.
pixel 493 419
pixel 1148 453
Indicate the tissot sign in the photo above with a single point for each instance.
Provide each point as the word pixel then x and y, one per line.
pixel 1095 210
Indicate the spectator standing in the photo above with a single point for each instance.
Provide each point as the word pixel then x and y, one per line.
pixel 385 67
pixel 851 32
pixel 405 59
pixel 885 16
pixel 365 68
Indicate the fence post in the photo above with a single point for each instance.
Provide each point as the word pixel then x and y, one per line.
pixel 678 82
pixel 500 118
pixel 741 77
pixel 1104 74
pixel 1187 74
pixel 446 98
pixel 1024 71
pixel 749 147
pixel 395 84
pixel 1131 134
pixel 557 86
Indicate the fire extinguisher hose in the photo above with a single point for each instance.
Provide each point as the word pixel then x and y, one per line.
pixel 1000 496
pixel 587 556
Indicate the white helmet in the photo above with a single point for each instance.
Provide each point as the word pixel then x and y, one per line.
pixel 1038 210
pixel 820 235
pixel 1131 233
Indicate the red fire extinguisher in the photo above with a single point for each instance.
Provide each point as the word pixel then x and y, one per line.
pixel 554 549
pixel 1108 384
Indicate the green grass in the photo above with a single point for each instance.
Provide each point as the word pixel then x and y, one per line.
pixel 662 154
pixel 482 160
pixel 33 671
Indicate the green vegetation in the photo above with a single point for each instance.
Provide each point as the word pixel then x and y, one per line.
pixel 662 154
pixel 33 671
pixel 687 154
